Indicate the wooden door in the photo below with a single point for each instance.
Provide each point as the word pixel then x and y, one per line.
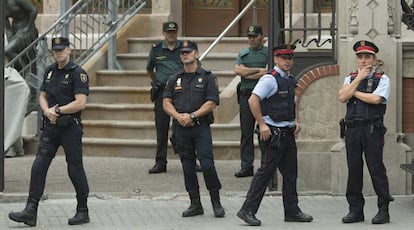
pixel 207 18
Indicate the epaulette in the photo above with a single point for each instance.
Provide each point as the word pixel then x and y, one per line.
pixel 353 74
pixel 243 52
pixel 379 74
pixel 273 72
pixel 156 44
pixel 207 71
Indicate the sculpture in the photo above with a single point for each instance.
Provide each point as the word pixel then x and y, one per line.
pixel 20 28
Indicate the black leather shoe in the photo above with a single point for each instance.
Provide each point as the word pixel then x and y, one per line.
pixel 244 172
pixel 158 169
pixel 299 217
pixel 249 218
pixel 352 217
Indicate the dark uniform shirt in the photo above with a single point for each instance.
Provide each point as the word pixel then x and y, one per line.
pixel 165 61
pixel 252 58
pixel 191 90
pixel 61 85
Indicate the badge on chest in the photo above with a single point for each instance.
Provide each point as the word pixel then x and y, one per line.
pixel 199 83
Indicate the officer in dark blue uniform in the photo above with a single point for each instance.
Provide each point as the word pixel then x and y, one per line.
pixel 272 104
pixel 63 95
pixel 190 97
pixel 366 93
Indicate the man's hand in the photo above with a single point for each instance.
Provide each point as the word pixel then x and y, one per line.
pixel 51 114
pixel 185 120
pixel 364 72
pixel 265 132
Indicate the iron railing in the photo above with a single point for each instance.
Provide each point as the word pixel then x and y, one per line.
pixel 314 34
pixel 89 24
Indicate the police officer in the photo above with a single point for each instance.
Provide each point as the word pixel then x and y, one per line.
pixel 62 96
pixel 365 93
pixel 164 58
pixel 251 64
pixel 273 106
pixel 190 98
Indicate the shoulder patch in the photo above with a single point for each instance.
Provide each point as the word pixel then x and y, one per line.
pixel 84 77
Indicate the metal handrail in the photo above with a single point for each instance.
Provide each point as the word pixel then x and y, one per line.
pixel 235 20
pixel 90 24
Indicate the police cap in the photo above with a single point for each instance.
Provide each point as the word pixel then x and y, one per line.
pixel 284 50
pixel 189 46
pixel 169 26
pixel 254 30
pixel 60 43
pixel 365 47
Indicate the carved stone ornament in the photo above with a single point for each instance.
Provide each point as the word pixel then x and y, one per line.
pixel 390 20
pixel 353 19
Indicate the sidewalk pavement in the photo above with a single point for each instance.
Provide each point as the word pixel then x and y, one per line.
pixel 124 196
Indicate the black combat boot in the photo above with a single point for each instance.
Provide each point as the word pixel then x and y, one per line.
pixel 382 216
pixel 215 201
pixel 28 215
pixel 81 217
pixel 195 207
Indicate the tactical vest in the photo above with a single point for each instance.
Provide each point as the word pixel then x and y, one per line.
pixel 281 105
pixel 359 110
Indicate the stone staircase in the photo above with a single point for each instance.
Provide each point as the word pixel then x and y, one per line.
pixel 119 117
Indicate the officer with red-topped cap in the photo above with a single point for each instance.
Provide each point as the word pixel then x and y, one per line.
pixel 365 93
pixel 272 104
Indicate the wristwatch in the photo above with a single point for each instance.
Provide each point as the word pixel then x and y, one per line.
pixel 57 110
pixel 193 117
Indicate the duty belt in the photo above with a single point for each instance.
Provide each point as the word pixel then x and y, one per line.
pixel 358 123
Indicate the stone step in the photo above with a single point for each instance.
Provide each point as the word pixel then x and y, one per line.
pixel 131 129
pixel 226 44
pixel 140 78
pixel 95 111
pixel 213 62
pixel 122 78
pixel 119 94
pixel 145 148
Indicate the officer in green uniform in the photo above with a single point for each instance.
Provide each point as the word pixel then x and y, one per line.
pixel 163 61
pixel 251 64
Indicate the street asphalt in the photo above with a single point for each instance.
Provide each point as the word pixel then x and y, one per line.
pixel 124 196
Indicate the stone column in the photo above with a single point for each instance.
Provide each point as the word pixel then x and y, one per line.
pixel 51 12
pixel 164 11
pixel 375 21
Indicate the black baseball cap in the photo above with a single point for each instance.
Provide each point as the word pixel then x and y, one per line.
pixel 189 46
pixel 60 43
